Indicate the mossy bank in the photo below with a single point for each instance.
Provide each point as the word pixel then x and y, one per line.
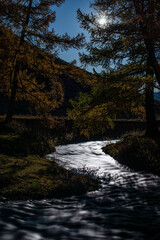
pixel 25 174
pixel 138 152
pixel 33 177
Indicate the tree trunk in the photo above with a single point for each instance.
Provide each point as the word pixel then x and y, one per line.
pixel 17 67
pixel 13 95
pixel 151 55
pixel 149 40
pixel 151 124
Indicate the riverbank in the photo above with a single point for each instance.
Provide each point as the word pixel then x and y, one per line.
pixel 137 152
pixel 33 177
pixel 25 174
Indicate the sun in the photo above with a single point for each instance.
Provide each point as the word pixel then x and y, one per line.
pixel 102 21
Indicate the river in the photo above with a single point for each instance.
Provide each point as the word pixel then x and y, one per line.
pixel 126 207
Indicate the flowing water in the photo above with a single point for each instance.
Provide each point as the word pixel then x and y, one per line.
pixel 126 207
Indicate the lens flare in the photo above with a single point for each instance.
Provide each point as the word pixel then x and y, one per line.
pixel 102 20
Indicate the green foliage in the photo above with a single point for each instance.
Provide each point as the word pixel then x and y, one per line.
pixel 86 116
pixel 111 95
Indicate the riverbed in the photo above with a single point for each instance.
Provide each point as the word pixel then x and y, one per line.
pixel 127 206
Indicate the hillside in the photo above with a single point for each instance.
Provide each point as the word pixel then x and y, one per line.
pixel 71 90
pixel 69 78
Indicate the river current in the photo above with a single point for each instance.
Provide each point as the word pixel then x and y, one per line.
pixel 126 207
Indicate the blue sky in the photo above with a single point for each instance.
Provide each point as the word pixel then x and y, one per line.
pixel 66 21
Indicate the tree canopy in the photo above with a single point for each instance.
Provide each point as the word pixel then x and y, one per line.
pixel 119 47
pixel 27 42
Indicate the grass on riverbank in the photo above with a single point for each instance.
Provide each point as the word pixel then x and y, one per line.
pixel 25 174
pixel 33 177
pixel 138 152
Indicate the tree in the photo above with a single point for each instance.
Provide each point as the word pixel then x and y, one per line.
pixel 148 18
pixel 112 95
pixel 119 47
pixel 27 24
pixel 144 14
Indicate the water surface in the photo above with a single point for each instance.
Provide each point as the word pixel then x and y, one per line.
pixel 126 207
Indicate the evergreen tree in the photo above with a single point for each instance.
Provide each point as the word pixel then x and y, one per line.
pixel 27 24
pixel 119 47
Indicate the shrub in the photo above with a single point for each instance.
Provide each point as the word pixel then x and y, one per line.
pixel 17 138
pixel 137 152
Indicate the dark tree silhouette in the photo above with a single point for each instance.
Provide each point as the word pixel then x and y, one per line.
pixel 28 23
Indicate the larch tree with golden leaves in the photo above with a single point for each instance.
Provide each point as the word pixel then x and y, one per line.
pixel 26 42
